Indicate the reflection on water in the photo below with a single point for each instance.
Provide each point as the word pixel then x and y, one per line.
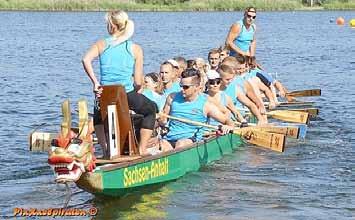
pixel 147 204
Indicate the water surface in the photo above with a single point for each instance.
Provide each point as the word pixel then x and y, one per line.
pixel 40 66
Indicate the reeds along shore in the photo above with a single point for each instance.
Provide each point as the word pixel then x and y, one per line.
pixel 174 5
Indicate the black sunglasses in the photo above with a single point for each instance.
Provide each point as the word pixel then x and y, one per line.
pixel 253 17
pixel 186 86
pixel 214 81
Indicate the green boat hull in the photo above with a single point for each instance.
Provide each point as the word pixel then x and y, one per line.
pixel 120 179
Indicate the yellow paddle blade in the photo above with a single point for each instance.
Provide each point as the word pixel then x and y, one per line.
pixel 288 131
pixel 313 112
pixel 304 93
pixel 66 123
pixel 290 116
pixel 41 141
pixel 275 142
pixel 83 118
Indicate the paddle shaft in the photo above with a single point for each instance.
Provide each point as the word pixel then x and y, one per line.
pixel 274 142
pixel 292 104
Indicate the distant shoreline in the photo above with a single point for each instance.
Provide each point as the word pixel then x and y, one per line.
pixel 169 5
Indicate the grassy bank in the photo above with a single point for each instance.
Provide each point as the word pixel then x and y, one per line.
pixel 339 5
pixel 168 5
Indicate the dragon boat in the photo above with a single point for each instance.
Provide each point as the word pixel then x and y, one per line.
pixel 117 179
pixel 72 150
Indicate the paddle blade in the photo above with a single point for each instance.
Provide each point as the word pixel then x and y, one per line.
pixel 41 141
pixel 83 118
pixel 288 131
pixel 275 142
pixel 313 112
pixel 66 123
pixel 290 116
pixel 304 93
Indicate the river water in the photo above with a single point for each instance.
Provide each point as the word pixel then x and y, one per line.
pixel 40 66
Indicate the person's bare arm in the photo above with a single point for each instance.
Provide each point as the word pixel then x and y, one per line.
pixel 166 109
pixel 212 111
pixel 268 93
pixel 281 88
pixel 232 34
pixel 219 105
pixel 87 60
pixel 252 96
pixel 252 48
pixel 138 66
pixel 234 110
pixel 251 106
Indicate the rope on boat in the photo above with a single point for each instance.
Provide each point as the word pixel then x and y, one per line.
pixel 69 194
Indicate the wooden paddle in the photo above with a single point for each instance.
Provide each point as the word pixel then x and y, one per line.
pixel 66 122
pixel 293 104
pixel 290 116
pixel 313 112
pixel 304 93
pixel 41 141
pixel 83 119
pixel 271 141
pixel 288 131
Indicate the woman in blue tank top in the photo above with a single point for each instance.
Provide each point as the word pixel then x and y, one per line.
pixel 241 37
pixel 121 62
pixel 220 98
pixel 153 89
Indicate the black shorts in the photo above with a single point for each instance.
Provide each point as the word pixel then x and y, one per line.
pixel 264 79
pixel 139 104
pixel 173 142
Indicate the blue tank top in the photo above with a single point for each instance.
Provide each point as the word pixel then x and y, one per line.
pixel 239 81
pixel 187 110
pixel 155 97
pixel 224 103
pixel 175 87
pixel 117 64
pixel 250 74
pixel 244 38
pixel 231 91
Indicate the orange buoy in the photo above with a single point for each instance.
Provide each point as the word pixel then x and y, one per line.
pixel 352 23
pixel 340 21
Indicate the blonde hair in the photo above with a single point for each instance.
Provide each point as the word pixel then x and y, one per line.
pixel 118 19
pixel 155 77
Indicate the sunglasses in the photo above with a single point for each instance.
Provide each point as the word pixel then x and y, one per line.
pixel 186 86
pixel 250 16
pixel 214 81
